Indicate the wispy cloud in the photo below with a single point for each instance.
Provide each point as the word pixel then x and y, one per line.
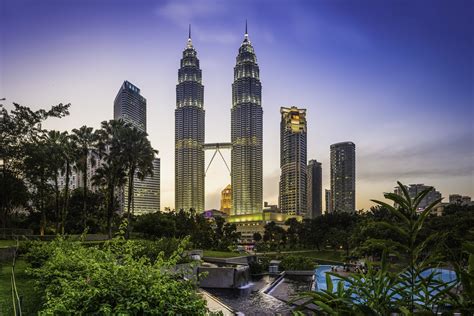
pixel 449 157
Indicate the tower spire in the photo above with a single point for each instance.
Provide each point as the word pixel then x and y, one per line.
pixel 246 35
pixel 190 42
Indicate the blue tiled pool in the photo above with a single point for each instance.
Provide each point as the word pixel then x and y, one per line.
pixel 444 275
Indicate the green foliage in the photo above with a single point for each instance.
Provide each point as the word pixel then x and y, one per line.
pixel 260 265
pixel 413 289
pixel 292 262
pixel 115 279
pixel 204 233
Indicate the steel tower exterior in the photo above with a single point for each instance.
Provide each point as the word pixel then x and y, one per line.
pixel 293 179
pixel 189 133
pixel 247 133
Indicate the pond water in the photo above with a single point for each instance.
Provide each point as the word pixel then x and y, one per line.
pixel 251 301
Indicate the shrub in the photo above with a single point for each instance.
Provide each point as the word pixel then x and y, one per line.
pixel 297 263
pixel 114 279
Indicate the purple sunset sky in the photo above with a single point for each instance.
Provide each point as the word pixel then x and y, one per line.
pixel 395 77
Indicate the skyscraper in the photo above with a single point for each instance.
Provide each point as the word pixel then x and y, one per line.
pixel 293 161
pixel 314 188
pixel 343 176
pixel 247 133
pixel 130 106
pixel 226 199
pixel 328 198
pixel 189 133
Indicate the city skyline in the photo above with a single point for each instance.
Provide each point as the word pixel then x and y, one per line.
pixel 56 73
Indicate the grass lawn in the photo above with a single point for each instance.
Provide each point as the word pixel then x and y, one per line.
pixel 331 255
pixel 322 256
pixel 25 286
pixel 221 254
pixel 7 243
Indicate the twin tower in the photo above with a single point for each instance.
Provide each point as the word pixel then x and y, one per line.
pixel 246 133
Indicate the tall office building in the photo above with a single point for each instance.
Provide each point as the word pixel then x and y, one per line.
pixel 247 133
pixel 314 189
pixel 293 161
pixel 328 199
pixel 343 177
pixel 226 200
pixel 130 106
pixel 189 133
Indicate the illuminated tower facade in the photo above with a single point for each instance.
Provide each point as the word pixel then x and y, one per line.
pixel 189 133
pixel 293 161
pixel 226 199
pixel 247 133
pixel 343 164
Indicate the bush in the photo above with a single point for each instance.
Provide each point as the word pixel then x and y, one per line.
pixel 260 266
pixel 113 279
pixel 297 263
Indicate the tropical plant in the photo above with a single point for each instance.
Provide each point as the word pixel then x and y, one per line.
pixel 114 279
pixel 414 288
pixel 85 141
pixel 137 155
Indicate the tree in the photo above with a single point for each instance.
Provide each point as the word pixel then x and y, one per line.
pixel 38 172
pixel 274 235
pixel 20 130
pixel 109 176
pixel 55 140
pixel 85 140
pixel 137 155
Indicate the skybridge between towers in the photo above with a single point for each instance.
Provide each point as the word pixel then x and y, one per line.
pixel 217 149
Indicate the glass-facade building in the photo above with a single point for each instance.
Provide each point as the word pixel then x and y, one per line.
pixel 314 188
pixel 343 172
pixel 293 180
pixel 130 106
pixel 189 133
pixel 246 133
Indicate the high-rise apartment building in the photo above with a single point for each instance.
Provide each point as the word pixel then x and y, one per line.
pixel 293 161
pixel 130 106
pixel 343 177
pixel 189 133
pixel 328 199
pixel 247 133
pixel 226 199
pixel 314 189
pixel 415 189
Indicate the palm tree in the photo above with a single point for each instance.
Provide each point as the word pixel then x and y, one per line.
pixel 85 140
pixel 109 176
pixel 69 150
pixel 54 140
pixel 138 156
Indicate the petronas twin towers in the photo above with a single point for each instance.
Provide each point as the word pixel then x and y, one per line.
pixel 246 133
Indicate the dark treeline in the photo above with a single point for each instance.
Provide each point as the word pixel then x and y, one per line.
pixel 203 233
pixel 33 160
pixel 357 233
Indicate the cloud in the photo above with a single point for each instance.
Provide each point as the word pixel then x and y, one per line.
pixel 198 14
pixel 449 157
